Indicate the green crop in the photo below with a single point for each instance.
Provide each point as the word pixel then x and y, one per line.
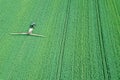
pixel 82 40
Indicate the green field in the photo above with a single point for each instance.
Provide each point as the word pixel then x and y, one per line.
pixel 82 40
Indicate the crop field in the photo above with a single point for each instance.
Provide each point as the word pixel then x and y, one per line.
pixel 82 40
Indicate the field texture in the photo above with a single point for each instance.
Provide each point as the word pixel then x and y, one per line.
pixel 82 40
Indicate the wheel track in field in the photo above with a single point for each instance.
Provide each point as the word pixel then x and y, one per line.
pixel 106 72
pixel 62 46
pixel 112 8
